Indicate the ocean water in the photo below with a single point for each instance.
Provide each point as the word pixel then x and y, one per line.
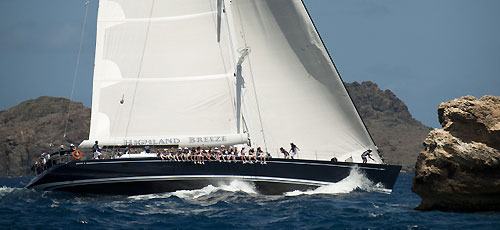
pixel 354 203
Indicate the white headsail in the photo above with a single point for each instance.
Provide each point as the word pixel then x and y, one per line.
pixel 293 91
pixel 167 70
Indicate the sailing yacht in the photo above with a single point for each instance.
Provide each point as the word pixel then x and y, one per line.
pixel 193 73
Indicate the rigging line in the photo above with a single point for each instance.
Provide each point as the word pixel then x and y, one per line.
pixel 253 82
pixel 223 61
pixel 140 68
pixel 87 3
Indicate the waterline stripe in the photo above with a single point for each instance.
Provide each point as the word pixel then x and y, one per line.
pixel 56 185
pixel 269 161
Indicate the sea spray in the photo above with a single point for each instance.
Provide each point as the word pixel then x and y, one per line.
pixel 234 186
pixel 5 190
pixel 355 180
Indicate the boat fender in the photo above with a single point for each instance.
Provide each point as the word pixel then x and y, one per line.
pixel 77 154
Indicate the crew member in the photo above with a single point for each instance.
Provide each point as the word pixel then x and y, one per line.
pixel 365 154
pixel 293 150
pixel 98 153
pixel 285 153
pixel 95 146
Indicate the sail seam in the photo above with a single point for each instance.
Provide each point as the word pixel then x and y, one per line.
pixel 140 67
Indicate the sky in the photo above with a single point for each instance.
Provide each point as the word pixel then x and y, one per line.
pixel 425 51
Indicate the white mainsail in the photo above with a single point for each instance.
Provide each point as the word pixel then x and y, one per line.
pixel 160 74
pixel 165 70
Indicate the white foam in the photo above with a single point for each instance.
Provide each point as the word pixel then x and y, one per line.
pixel 151 196
pixel 355 180
pixel 234 186
pixel 6 190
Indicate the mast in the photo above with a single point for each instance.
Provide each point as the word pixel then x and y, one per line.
pixel 236 51
pixel 240 84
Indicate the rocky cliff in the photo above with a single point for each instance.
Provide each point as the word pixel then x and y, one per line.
pixel 397 134
pixel 459 169
pixel 35 126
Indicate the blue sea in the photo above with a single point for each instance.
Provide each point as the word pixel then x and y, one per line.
pixel 353 203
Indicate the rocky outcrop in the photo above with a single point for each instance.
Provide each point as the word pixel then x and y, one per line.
pixel 38 125
pixel 397 134
pixel 460 167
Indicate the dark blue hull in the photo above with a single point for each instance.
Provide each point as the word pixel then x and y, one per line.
pixel 152 175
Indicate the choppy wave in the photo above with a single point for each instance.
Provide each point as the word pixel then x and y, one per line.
pixel 343 205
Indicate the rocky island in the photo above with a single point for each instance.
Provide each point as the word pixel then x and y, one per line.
pixel 459 170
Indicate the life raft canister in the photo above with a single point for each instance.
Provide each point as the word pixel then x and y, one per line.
pixel 77 154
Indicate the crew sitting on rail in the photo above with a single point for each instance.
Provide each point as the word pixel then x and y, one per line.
pixel 117 153
pixel 251 154
pixel 261 156
pixel 98 153
pixel 161 154
pixel 223 152
pixel 232 154
pixel 244 154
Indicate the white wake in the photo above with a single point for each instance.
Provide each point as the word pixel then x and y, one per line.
pixel 355 181
pixel 234 186
pixel 6 190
